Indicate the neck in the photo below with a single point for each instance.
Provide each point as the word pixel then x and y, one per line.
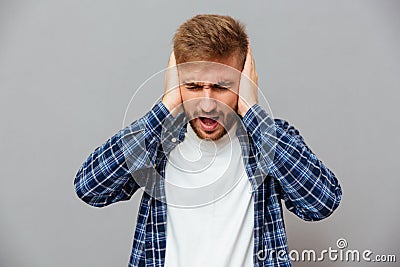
pixel 208 145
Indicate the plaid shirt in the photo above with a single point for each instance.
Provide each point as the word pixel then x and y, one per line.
pixel 136 157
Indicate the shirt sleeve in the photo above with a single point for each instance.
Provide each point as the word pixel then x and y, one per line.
pixel 309 188
pixel 106 175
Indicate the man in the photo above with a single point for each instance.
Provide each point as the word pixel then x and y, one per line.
pixel 213 189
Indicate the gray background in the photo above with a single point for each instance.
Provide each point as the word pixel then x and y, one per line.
pixel 69 68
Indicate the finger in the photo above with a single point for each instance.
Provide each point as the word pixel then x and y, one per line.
pixel 172 60
pixel 247 63
pixel 252 64
pixel 251 58
pixel 171 77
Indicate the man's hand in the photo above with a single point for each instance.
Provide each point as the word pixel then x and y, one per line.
pixel 248 89
pixel 172 96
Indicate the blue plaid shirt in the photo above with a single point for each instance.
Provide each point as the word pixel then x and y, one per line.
pixel 136 155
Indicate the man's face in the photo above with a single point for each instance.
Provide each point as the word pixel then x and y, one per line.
pixel 209 91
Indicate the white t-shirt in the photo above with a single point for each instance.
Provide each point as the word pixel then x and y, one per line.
pixel 210 208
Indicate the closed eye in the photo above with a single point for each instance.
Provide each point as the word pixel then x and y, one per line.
pixel 198 86
pixel 220 87
pixel 193 86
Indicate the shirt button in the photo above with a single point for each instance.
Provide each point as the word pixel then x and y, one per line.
pixel 173 140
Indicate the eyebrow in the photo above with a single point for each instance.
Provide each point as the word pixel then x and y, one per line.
pixel 225 83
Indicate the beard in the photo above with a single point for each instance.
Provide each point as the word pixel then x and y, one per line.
pixel 224 114
pixel 212 135
pixel 216 134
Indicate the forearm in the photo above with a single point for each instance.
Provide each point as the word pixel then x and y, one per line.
pixel 310 189
pixel 106 175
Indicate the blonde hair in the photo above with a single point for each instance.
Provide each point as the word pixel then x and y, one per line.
pixel 210 36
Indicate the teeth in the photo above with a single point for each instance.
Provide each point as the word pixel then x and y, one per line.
pixel 208 121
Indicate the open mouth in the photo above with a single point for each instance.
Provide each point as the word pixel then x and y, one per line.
pixel 208 124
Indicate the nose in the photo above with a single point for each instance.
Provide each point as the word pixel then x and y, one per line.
pixel 207 102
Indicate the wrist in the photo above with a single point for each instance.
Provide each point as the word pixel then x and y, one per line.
pixel 173 108
pixel 167 104
pixel 245 108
